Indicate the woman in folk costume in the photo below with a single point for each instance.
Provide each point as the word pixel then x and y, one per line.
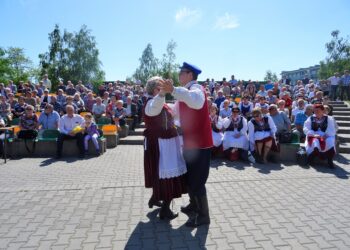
pixel 261 134
pixel 235 136
pixel 320 133
pixel 164 165
pixel 246 107
pixel 216 126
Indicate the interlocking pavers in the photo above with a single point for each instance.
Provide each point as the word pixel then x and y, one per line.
pixel 100 203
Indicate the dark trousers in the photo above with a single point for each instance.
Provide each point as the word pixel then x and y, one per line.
pixel 334 89
pixel 344 90
pixel 198 164
pixel 62 137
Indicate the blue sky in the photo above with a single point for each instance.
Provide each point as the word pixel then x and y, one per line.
pixel 222 37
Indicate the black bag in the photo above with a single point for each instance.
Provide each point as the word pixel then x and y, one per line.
pixel 285 137
pixel 28 135
pixel 301 157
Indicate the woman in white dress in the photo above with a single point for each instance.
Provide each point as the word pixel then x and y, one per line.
pixel 235 136
pixel 216 125
pixel 320 132
pixel 261 130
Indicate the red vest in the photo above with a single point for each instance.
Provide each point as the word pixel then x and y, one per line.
pixel 196 126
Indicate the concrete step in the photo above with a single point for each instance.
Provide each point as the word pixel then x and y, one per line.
pixel 138 131
pixel 343 130
pixel 132 140
pixel 341 113
pixel 344 124
pixel 341 118
pixel 336 102
pixel 344 148
pixel 341 109
pixel 344 138
pixel 339 105
pixel 141 125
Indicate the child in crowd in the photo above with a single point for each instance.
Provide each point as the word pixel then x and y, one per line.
pixel 92 133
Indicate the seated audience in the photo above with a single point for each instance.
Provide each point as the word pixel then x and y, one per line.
pixel 320 136
pixel 71 128
pixel 235 135
pixel 261 131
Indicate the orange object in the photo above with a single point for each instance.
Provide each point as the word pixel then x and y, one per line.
pixel 16 129
pixel 109 129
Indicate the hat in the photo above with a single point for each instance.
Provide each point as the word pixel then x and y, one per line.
pixel 191 68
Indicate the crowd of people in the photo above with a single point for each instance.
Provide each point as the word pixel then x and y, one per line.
pixel 249 118
pixel 246 117
pixel 245 120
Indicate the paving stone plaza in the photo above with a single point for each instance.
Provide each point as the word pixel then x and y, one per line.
pixel 100 203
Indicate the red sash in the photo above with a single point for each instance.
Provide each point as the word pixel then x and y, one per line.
pixel 322 141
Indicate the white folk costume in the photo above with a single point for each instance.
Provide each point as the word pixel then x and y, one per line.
pixel 320 127
pixel 261 131
pixel 216 126
pixel 234 126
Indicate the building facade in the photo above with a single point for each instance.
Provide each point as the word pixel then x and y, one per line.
pixel 299 74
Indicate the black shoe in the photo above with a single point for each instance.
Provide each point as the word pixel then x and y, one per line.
pixel 259 159
pixel 190 208
pixel 165 213
pixel 58 156
pixel 81 156
pixel 202 217
pixel 152 202
pixel 331 164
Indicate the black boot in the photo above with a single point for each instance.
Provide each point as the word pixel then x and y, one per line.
pixel 190 208
pixel 202 216
pixel 166 213
pixel 330 154
pixel 153 202
pixel 310 158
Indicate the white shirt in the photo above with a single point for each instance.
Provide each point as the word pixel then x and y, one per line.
pixel 155 106
pixel 334 80
pixel 67 124
pixel 191 94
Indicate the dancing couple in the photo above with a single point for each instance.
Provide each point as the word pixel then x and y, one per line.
pixel 177 161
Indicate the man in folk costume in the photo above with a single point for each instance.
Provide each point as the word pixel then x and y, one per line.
pixel 195 124
pixel 320 136
pixel 163 161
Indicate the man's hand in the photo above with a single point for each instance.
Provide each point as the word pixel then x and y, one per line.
pixel 167 86
pixel 71 133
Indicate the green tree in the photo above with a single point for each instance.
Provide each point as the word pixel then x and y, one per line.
pixel 15 65
pixel 148 65
pixel 338 58
pixel 269 76
pixel 151 66
pixel 72 56
pixel 168 67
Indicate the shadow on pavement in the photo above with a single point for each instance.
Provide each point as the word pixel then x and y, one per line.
pixel 338 171
pixel 268 168
pixel 158 234
pixel 50 161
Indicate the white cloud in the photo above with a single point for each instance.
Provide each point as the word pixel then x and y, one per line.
pixel 226 22
pixel 187 17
